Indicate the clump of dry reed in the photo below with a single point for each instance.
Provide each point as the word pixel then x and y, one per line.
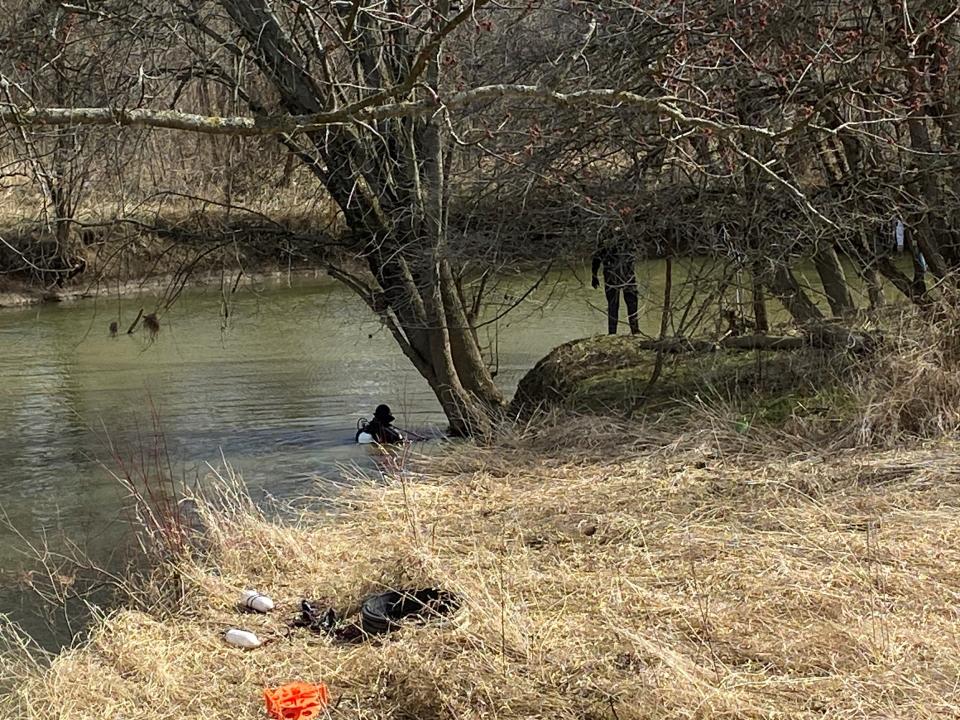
pixel 610 583
pixel 906 391
pixel 912 389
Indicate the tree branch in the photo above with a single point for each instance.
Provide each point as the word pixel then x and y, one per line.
pixel 668 106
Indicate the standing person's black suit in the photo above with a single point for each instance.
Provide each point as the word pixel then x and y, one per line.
pixel 617 259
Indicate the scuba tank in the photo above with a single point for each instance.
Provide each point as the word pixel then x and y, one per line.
pixel 363 437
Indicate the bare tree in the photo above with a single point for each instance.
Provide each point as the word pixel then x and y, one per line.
pixel 757 134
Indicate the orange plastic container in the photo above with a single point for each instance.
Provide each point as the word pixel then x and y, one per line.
pixel 296 701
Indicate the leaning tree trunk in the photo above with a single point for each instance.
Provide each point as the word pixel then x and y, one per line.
pixel 759 302
pixel 387 179
pixel 455 366
pixel 928 217
pixel 471 367
pixel 834 281
pixel 792 295
pixel 851 161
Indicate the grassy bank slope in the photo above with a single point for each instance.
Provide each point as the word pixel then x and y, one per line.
pixel 615 375
pixel 603 578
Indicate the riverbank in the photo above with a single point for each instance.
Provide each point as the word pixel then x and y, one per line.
pixel 606 572
pixel 24 295
pixel 164 242
pixel 171 238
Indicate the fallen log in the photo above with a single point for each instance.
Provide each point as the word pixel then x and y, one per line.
pixel 819 336
pixel 764 342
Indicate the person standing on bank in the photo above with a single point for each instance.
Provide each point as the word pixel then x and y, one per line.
pixel 616 257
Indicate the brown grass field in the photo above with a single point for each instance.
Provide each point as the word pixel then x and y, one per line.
pixel 606 573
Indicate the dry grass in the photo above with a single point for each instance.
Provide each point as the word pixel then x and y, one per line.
pixel 601 581
pixel 913 389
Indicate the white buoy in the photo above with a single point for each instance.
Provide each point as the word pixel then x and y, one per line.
pixel 242 638
pixel 252 600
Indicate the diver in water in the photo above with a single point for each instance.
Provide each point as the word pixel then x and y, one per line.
pixel 616 257
pixel 379 430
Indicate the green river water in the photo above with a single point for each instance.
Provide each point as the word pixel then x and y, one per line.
pixel 276 390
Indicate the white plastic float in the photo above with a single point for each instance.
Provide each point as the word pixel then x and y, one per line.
pixel 252 600
pixel 242 638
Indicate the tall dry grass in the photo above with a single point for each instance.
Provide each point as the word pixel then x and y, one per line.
pixel 604 576
pixel 902 393
pixel 912 390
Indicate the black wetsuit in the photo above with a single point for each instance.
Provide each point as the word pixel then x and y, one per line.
pixel 381 432
pixel 618 276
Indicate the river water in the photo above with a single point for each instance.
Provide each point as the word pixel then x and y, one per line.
pixel 276 389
